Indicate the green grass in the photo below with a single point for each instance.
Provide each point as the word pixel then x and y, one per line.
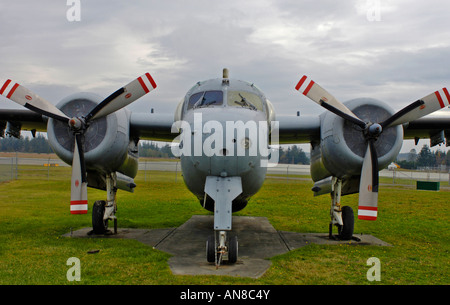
pixel 34 213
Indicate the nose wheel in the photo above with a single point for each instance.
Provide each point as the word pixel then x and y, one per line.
pixel 221 249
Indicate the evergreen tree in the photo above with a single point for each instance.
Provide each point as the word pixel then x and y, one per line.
pixel 39 144
pixel 426 158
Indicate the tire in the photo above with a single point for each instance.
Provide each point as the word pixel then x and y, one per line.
pixel 211 249
pixel 98 211
pixel 233 250
pixel 346 231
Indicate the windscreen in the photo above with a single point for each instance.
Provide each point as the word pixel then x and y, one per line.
pixel 245 100
pixel 205 99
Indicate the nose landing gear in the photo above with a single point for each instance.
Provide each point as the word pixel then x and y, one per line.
pixel 223 190
pixel 221 249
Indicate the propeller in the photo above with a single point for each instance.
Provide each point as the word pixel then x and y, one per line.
pixel 368 187
pixel 78 125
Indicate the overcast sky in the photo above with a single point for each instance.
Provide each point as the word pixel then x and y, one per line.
pixel 393 50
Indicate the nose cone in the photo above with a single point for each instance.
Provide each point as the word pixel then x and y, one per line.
pixel 224 142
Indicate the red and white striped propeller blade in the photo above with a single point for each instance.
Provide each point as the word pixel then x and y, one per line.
pixel 316 93
pixel 368 185
pixel 78 188
pixel 123 97
pixel 430 103
pixel 30 100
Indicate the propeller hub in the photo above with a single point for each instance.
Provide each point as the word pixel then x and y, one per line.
pixel 76 123
pixel 375 130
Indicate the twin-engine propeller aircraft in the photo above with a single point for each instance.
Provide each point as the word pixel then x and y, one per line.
pixel 226 136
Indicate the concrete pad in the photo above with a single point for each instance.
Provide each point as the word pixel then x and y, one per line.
pixel 296 240
pixel 258 241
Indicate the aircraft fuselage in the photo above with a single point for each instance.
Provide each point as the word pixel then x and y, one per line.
pixel 225 126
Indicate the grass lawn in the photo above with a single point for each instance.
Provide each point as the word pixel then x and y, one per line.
pixel 34 213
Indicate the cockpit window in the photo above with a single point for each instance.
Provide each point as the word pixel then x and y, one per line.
pixel 245 100
pixel 205 99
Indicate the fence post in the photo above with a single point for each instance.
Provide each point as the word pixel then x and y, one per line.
pixel 145 171
pixel 176 171
pixel 48 169
pixel 12 168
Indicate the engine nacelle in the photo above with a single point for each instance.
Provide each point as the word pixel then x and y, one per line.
pixel 341 150
pixel 107 144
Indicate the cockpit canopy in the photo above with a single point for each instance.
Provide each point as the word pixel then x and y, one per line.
pixel 214 98
pixel 225 93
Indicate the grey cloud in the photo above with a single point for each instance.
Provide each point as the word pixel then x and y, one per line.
pixel 182 42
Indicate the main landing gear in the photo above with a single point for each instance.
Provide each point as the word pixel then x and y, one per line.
pixel 103 211
pixel 341 217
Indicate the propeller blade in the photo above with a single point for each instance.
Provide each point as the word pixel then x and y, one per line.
pixel 78 191
pixel 419 108
pixel 322 97
pixel 123 97
pixel 28 99
pixel 368 186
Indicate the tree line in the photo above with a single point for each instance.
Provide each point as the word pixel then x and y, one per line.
pixel 39 144
pixel 425 159
pixel 290 155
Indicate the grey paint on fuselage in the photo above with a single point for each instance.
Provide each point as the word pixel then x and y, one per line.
pixel 227 161
pixel 196 168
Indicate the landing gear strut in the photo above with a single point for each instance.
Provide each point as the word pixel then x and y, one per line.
pixel 342 217
pixel 103 211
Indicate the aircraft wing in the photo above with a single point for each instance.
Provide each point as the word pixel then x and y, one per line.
pixel 306 129
pixel 146 126
pixel 14 120
pixel 435 126
pixel 152 126
pixel 292 129
pixel 298 129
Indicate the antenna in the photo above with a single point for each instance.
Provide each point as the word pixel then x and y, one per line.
pixel 225 73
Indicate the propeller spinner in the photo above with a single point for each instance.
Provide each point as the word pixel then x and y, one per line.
pixel 79 125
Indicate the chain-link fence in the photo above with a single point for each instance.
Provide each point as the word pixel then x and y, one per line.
pixel 8 169
pixel 52 168
pixel 12 168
